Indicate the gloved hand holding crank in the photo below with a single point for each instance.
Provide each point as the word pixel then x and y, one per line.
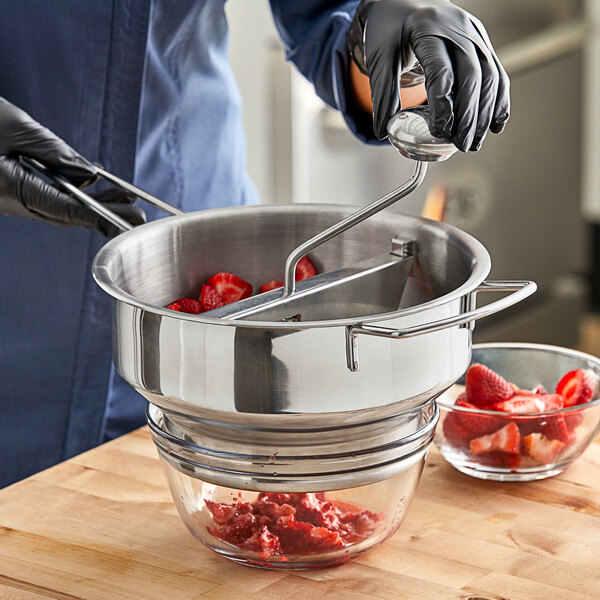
pixel 467 87
pixel 23 193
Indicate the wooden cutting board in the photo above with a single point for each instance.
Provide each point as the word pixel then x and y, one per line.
pixel 103 526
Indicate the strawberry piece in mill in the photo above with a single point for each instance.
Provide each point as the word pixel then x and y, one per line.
pixel 186 305
pixel 230 287
pixel 271 285
pixel 209 298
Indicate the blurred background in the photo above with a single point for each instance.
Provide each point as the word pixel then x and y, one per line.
pixel 531 195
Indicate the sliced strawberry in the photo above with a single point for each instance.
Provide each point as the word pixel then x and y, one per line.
pixel 186 305
pixel 485 387
pixel 272 285
pixel 521 404
pixel 539 389
pixel 209 298
pixel 552 401
pixel 477 424
pixel 555 428
pixel 578 386
pixel 305 269
pixel 507 439
pixel 230 287
pixel 541 448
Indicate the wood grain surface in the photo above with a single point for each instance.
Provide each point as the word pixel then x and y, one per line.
pixel 103 526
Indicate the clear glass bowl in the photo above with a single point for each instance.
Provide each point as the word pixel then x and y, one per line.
pixel 294 499
pixel 293 531
pixel 525 365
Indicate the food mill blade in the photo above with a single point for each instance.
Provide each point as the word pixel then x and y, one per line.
pixel 370 286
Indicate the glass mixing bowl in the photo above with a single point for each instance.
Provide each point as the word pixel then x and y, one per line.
pixel 295 530
pixel 325 511
pixel 546 442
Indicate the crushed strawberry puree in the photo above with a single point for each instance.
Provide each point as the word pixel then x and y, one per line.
pixel 277 524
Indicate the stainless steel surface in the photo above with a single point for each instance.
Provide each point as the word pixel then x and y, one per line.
pixel 413 77
pixel 376 285
pixel 520 289
pixel 257 372
pixel 295 460
pixel 274 300
pixel 412 133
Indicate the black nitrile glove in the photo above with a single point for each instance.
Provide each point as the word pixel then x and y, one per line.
pixel 467 87
pixel 23 193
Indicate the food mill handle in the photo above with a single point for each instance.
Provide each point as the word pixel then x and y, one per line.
pixel 98 207
pixel 350 221
pixel 520 289
pixel 140 193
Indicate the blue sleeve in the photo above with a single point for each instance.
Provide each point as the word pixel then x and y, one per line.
pixel 314 35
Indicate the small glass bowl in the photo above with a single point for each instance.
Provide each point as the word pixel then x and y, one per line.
pixel 525 365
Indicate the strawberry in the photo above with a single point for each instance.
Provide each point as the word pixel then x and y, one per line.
pixel 507 439
pixel 512 461
pixel 573 418
pixel 454 432
pixel 499 459
pixel 272 285
pixel 209 298
pixel 304 269
pixel 485 387
pixel 538 390
pixel 230 287
pixel 578 386
pixel 555 428
pixel 532 424
pixel 186 305
pixel 520 404
pixel 541 448
pixel 476 424
pixel 528 424
pixel 552 401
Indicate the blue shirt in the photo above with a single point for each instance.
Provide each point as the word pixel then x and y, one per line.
pixel 144 87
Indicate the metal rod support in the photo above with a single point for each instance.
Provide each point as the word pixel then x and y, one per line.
pixel 350 221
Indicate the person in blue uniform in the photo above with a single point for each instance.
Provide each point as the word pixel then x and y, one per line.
pixel 144 88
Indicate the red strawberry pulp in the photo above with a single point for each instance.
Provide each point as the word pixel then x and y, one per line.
pixel 279 524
